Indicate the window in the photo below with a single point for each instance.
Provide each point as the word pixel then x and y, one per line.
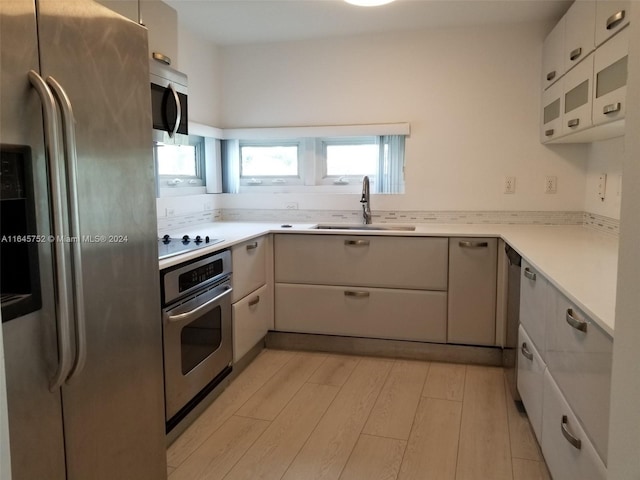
pixel 270 163
pixel 180 165
pixel 314 159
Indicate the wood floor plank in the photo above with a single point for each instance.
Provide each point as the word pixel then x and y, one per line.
pixel 445 381
pixel 433 445
pixel 218 454
pixel 374 458
pixel 484 450
pixel 335 370
pixel 326 452
pixel 241 389
pixel 270 456
pixel 272 397
pixel 394 411
pixel 529 470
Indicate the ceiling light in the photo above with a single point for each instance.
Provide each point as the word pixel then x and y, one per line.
pixel 368 3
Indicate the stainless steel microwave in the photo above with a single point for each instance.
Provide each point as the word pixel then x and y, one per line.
pixel 168 104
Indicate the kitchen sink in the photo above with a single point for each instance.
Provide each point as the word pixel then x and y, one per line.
pixel 375 227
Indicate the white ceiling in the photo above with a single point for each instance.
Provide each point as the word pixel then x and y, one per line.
pixel 230 22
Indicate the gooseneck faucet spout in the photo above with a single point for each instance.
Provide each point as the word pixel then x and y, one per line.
pixel 366 205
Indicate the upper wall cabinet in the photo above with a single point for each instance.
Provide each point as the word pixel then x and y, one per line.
pixel 586 101
pixel 611 17
pixel 579 33
pixel 160 19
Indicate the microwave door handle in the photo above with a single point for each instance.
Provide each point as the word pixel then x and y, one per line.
pixel 176 98
pixel 61 261
pixel 71 159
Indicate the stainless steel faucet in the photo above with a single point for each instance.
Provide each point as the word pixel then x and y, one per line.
pixel 366 205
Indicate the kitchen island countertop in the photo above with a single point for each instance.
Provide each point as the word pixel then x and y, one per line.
pixel 579 261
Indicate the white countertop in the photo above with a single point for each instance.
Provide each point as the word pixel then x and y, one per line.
pixel 579 261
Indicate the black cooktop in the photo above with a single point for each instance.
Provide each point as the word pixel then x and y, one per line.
pixel 170 246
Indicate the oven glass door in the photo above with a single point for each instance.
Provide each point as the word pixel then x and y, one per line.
pixel 200 338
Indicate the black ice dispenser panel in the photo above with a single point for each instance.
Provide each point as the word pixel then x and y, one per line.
pixel 20 281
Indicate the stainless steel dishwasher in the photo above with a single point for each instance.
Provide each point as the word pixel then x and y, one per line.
pixel 509 353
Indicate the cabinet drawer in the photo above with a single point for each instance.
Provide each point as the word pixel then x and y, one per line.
pixel 578 87
pixel 579 33
pixel 362 312
pixel 374 261
pixel 564 460
pixel 610 79
pixel 580 362
pixel 249 263
pixel 472 291
pixel 611 17
pixel 531 369
pixel 251 317
pixel 534 305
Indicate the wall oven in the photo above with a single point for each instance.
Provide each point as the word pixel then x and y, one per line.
pixel 169 105
pixel 196 318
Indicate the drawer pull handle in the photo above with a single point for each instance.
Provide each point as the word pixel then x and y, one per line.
pixel 351 293
pixel 467 244
pixel 614 20
pixel 252 246
pixel 575 54
pixel 357 243
pixel 575 442
pixel 548 133
pixel 551 75
pixel 576 322
pixel 525 351
pixel 612 108
pixel 573 122
pixel 529 274
pixel 254 301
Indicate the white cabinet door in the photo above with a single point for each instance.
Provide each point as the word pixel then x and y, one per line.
pixel 567 450
pixel 552 56
pixel 534 305
pixel 531 369
pixel 610 79
pixel 162 22
pixel 249 265
pixel 551 117
pixel 580 362
pixel 362 312
pixel 578 85
pixel 472 291
pixel 611 17
pixel 374 261
pixel 579 33
pixel 251 317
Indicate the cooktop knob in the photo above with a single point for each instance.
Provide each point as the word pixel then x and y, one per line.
pixel 166 239
pixel 185 239
pixel 198 239
pixel 206 239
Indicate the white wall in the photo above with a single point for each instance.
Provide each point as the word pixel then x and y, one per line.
pixel 604 157
pixel 471 95
pixel 198 59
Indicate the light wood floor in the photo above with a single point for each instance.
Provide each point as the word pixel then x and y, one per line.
pixel 303 416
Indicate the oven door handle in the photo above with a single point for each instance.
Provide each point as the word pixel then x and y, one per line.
pixel 196 311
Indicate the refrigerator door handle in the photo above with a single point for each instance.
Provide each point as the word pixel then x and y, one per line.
pixel 52 147
pixel 71 161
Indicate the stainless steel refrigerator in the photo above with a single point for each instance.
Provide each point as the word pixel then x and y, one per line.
pixel 83 357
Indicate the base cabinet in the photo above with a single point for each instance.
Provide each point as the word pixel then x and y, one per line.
pixel 251 317
pixel 567 450
pixel 363 312
pixel 531 370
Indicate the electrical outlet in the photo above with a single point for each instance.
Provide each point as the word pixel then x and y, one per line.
pixel 551 184
pixel 509 184
pixel 602 185
pixel 291 205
